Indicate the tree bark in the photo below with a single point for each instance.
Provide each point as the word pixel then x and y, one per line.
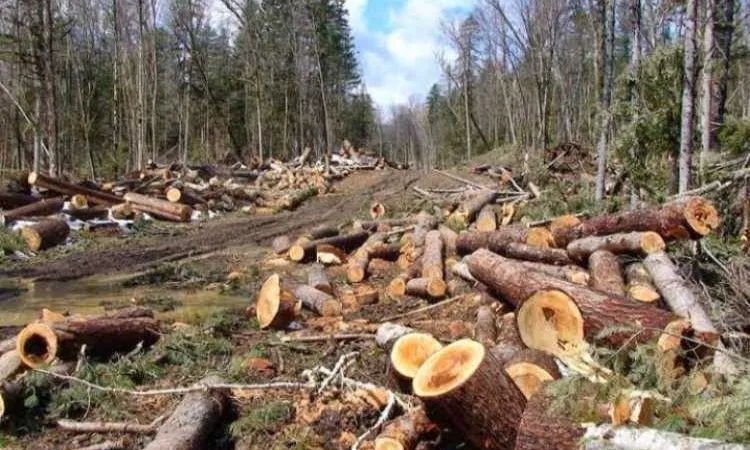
pixel 688 97
pixel 609 57
pixel 160 208
pixel 45 234
pixel 637 243
pixel 190 425
pixel 10 364
pixel 432 259
pixel 9 200
pixel 317 278
pixel 525 252
pixel 41 208
pixel 606 273
pixel 541 428
pixel 485 327
pixel 640 286
pixel 707 88
pixel 426 287
pixel 405 432
pixel 467 211
pixel 469 241
pixel 486 219
pixel 571 273
pixel 56 185
pixel 317 301
pixel 347 242
pixel 465 387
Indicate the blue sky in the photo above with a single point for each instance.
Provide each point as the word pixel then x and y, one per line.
pixel 398 42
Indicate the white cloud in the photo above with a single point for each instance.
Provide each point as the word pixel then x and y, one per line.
pixel 399 58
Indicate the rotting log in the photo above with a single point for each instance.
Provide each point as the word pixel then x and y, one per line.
pixel 551 311
pixel 465 387
pixel 428 288
pixel 408 354
pixel 525 252
pixel 317 278
pixel 275 307
pixel 41 208
pixel 45 234
pixel 432 259
pixel 40 343
pixel 300 252
pixel 683 302
pixel 529 368
pixel 406 431
pixel 639 243
pixel 53 184
pixel 486 219
pixel 194 419
pixel 9 200
pixel 640 286
pixel 161 208
pixel 485 327
pixel 470 241
pixel 605 272
pixel 317 301
pixel 468 211
pixel 572 273
pixel 687 218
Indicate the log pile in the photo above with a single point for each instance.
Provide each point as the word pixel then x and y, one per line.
pixel 173 192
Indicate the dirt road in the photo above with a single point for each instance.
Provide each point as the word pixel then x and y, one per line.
pixel 351 196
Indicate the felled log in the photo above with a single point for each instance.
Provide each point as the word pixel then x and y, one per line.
pixel 40 343
pixel 571 273
pixel 303 251
pixel 541 428
pixel 10 364
pixel 608 437
pixel 317 278
pixel 469 241
pixel 636 243
pixel 96 212
pixel 425 223
pixel 405 432
pixel 639 284
pixel 486 219
pixel 281 244
pixel 397 286
pixel 160 208
pixel 383 224
pixel 357 265
pixel 41 208
pixel 683 302
pixel 465 387
pixel 388 333
pixel 123 211
pixel 182 195
pixel 56 185
pixel 275 307
pixel 190 425
pixel 605 272
pixel 525 252
pixel 317 301
pixel 408 354
pixel 426 288
pixel 432 259
pixel 529 368
pixel 551 311
pixel 468 211
pixel 690 217
pixel 296 198
pixel 328 255
pixel 45 234
pixel 9 200
pixel 377 210
pixel 485 327
pixel 449 240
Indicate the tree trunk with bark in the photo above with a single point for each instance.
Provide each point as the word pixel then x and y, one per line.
pixel 317 278
pixel 160 208
pixel 317 301
pixel 45 234
pixel 606 273
pixel 405 432
pixel 305 251
pixel 41 208
pixel 688 96
pixel 275 307
pixel 53 184
pixel 640 286
pixel 468 211
pixel 636 243
pixel 469 241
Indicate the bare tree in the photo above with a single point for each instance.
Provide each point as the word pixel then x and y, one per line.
pixel 609 57
pixel 688 98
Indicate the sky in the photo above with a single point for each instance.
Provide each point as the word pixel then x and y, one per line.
pixel 398 42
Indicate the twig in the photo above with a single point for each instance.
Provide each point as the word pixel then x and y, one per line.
pixel 422 193
pixel 713 258
pixel 385 415
pixel 421 310
pixel 327 337
pixel 81 359
pixel 462 180
pixel 109 427
pixel 106 445
pixel 336 369
pixel 399 230
pixel 181 390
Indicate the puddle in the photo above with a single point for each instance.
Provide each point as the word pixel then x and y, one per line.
pixel 87 297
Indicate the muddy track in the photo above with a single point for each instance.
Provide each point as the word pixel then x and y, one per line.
pixel 356 191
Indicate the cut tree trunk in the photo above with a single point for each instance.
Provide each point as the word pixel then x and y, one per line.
pixel 689 217
pixel 388 333
pixel 39 209
pixel 428 288
pixel 465 387
pixel 487 220
pixel 281 244
pixel 541 428
pixel 485 327
pixel 122 211
pixel 383 225
pixel 317 278
pixel 95 197
pixel 525 252
pixel 10 364
pixel 275 307
pixel 317 301
pixel 10 200
pixel 79 201
pixel 45 234
pixel 405 432
pixel 300 252
pixel 96 212
pixel 397 286
pixel 683 302
pixel 470 241
pixel 177 195
pixel 551 310
pixel 296 198
pixel 635 243
pixel 640 286
pixel 408 354
pixel 574 274
pixel 160 208
pixel 432 259
pixel 468 211
pixel 606 273
pixel 377 210
pixel 191 424
pixel 40 343
pixel 356 270
pixel 449 240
